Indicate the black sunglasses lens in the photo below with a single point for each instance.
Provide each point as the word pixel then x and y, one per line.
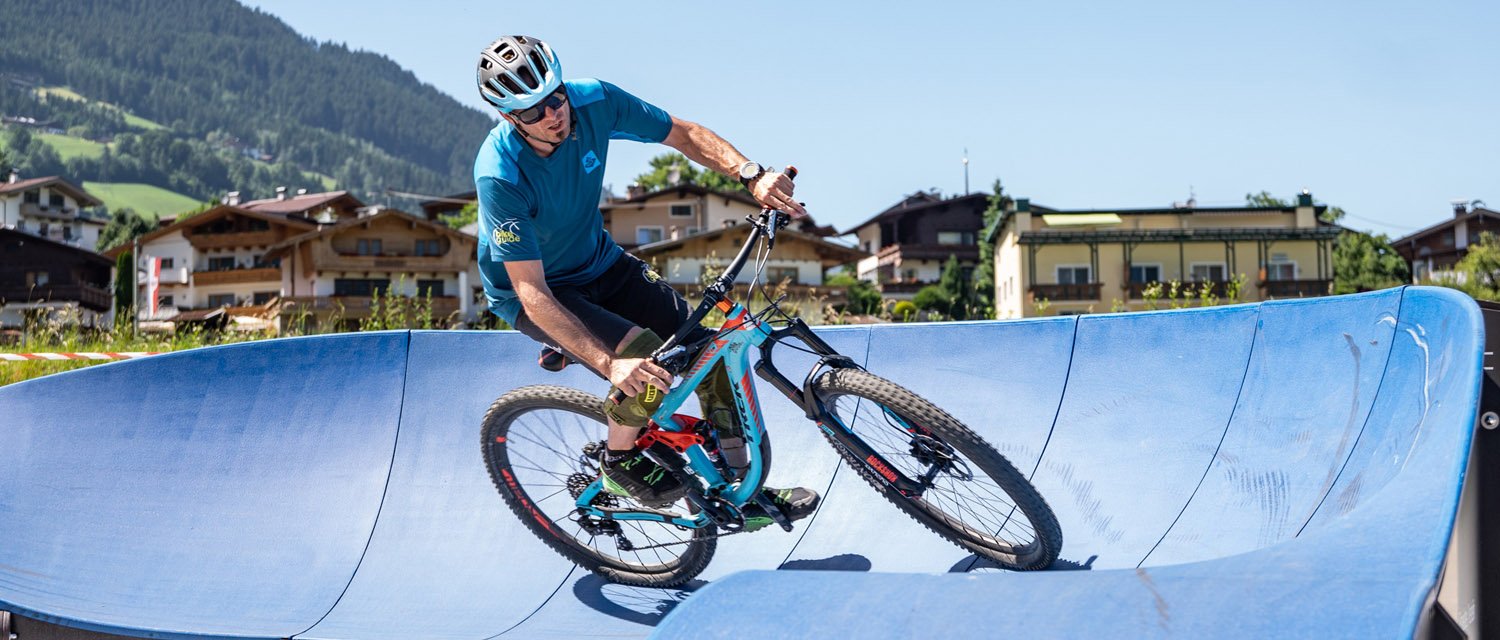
pixel 534 113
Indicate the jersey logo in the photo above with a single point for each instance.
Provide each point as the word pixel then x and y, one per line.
pixel 650 274
pixel 590 162
pixel 505 233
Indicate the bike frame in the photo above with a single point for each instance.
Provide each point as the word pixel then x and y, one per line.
pixel 731 345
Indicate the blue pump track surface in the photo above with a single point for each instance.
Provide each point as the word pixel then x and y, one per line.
pixel 1287 468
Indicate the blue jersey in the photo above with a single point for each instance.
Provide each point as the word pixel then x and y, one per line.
pixel 535 208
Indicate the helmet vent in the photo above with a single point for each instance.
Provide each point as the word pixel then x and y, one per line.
pixel 510 84
pixel 484 63
pixel 521 39
pixel 536 61
pixel 528 77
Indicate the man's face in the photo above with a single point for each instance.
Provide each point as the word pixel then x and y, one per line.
pixel 553 128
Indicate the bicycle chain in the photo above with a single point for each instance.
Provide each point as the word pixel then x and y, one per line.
pixel 673 544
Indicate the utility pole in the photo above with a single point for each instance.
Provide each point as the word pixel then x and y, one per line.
pixel 966 171
pixel 135 287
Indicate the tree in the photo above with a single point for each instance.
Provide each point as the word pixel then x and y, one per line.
pixel 673 168
pixel 864 298
pixel 1363 262
pixel 124 284
pixel 124 225
pixel 984 274
pixel 1265 199
pixel 1480 269
pixel 468 215
pixel 957 289
pixel 933 298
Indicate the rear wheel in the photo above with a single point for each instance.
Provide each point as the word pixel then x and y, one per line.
pixel 534 440
pixel 972 496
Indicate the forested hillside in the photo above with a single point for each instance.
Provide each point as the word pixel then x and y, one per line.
pixel 205 96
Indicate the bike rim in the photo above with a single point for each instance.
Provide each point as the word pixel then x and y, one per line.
pixel 544 448
pixel 979 508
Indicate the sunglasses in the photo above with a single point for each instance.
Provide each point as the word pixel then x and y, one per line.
pixel 534 113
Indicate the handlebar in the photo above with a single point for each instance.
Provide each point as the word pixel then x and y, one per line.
pixel 767 223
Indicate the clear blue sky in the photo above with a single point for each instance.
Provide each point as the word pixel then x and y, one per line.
pixel 1388 109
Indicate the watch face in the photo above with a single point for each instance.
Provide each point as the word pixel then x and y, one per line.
pixel 749 170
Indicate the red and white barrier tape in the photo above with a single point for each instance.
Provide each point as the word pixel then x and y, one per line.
pixel 89 355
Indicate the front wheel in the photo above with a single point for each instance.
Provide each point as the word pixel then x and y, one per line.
pixel 534 441
pixel 971 494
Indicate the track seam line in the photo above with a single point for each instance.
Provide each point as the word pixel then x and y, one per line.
pixel 1061 397
pixel 1389 356
pixel 390 470
pixel 567 578
pixel 1255 339
pixel 838 465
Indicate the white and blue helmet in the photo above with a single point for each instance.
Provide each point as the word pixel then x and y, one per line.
pixel 516 72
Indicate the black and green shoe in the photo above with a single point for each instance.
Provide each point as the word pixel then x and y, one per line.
pixel 796 503
pixel 639 478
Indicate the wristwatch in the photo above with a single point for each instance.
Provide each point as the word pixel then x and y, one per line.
pixel 750 171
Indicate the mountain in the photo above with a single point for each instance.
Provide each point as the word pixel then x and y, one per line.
pixel 207 96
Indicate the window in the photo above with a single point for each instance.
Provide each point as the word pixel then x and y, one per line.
pixel 1281 271
pixel 681 211
pixel 166 301
pixel 433 247
pixel 55 200
pixel 1210 272
pixel 956 237
pixel 37 278
pixel 369 246
pixel 221 300
pixel 32 197
pixel 1073 275
pixel 1145 273
pixel 777 275
pixel 67 233
pixel 647 235
pixel 359 287
pixel 225 263
pixel 432 288
pixel 262 297
pixel 45 228
pixel 166 263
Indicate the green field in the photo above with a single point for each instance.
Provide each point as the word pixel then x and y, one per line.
pixel 130 118
pixel 71 147
pixel 149 201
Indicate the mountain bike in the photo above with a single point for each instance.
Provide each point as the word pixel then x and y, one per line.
pixel 541 445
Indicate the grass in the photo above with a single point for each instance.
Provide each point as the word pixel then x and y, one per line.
pixel 68 94
pixel 70 147
pixel 148 200
pixel 327 182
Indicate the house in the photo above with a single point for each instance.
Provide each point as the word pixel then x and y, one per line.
pixel 40 274
pixel 646 217
pixel 336 270
pixel 282 255
pixel 1433 252
pixel 800 260
pixel 1052 261
pixel 52 208
pixel 910 242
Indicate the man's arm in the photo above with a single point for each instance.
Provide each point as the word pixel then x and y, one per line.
pixel 703 146
pixel 631 375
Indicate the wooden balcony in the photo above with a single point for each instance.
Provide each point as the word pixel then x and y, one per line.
pixel 395 263
pixel 1296 288
pixel 35 210
pixel 86 295
pixel 205 241
pixel 895 253
pixel 1087 292
pixel 237 276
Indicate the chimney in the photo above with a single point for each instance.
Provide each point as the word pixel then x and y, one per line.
pixel 1304 199
pixel 231 198
pixel 634 190
pixel 15 176
pixel 302 192
pixel 1460 207
pixel 674 174
pixel 280 193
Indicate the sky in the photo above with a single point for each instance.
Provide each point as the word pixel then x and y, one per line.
pixel 1387 109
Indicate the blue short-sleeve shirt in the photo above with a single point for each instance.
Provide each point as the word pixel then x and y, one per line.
pixel 535 208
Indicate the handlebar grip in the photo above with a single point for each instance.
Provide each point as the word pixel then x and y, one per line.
pixel 791 172
pixel 616 397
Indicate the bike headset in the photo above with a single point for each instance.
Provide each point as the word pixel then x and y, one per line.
pixel 517 72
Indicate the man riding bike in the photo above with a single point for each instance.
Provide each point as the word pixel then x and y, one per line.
pixel 551 270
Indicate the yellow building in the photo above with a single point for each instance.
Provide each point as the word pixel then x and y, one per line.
pixel 1054 262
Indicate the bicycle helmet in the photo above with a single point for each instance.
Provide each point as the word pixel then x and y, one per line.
pixel 516 72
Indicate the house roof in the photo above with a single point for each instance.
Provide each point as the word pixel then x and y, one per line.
pixel 82 254
pixel 655 248
pixel 679 191
pixel 922 201
pixel 1477 212
pixel 298 204
pixel 448 203
pixel 83 197
pixel 994 229
pixel 207 216
pixel 282 247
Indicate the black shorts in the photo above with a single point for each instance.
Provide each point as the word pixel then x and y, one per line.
pixel 628 294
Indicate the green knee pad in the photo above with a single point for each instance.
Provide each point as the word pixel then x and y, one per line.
pixel 636 411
